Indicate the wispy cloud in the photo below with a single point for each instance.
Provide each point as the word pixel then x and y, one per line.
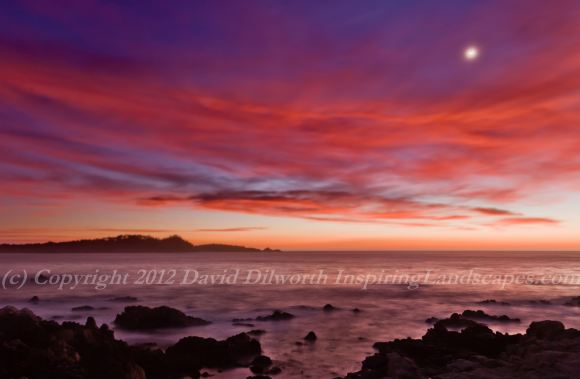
pixel 317 123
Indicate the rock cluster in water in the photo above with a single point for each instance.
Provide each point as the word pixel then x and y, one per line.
pixel 144 318
pixel 546 350
pixel 38 349
pixel 469 318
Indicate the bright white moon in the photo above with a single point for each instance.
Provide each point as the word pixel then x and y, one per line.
pixel 471 53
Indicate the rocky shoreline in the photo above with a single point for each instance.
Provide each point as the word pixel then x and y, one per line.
pixel 474 351
pixel 33 348
pixel 460 346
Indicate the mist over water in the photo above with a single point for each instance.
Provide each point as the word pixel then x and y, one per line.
pixel 408 288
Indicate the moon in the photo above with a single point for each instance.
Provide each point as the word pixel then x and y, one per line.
pixel 471 53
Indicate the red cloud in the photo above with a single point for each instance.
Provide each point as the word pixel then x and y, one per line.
pixel 124 129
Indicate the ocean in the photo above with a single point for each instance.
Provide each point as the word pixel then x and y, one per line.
pixel 394 291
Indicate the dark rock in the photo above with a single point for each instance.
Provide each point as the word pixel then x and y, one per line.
pixel 83 308
pixel 481 315
pixel 249 325
pixel 276 316
pixel 256 332
pixel 573 302
pixel 545 329
pixel 258 377
pixel 329 308
pixel 260 364
pixel 191 353
pixel 540 302
pixel 356 310
pixel 275 370
pixel 91 323
pixel 37 349
pixel 311 337
pixel 34 300
pixel 455 321
pixel 469 318
pixel 493 302
pixel 242 319
pixel 548 350
pixel 145 318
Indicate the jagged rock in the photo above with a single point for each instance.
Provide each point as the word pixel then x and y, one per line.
pixel 37 349
pixel 545 329
pixel 547 350
pixel 256 332
pixel 145 318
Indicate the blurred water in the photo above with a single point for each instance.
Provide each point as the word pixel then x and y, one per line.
pixel 389 310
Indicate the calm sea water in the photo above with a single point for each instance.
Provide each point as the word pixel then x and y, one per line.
pixel 411 287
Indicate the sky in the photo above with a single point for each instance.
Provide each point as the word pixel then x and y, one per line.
pixel 292 124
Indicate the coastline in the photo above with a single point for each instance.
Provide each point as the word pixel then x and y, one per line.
pixel 453 348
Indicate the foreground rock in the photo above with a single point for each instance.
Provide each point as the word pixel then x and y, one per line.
pixel 33 348
pixel 547 350
pixel 36 349
pixel 191 354
pixel 145 318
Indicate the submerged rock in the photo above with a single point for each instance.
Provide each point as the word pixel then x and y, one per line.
pixel 573 302
pixel 260 364
pixel 493 302
pixel 276 316
pixel 145 318
pixel 124 299
pixel 311 337
pixel 481 315
pixel 329 308
pixel 540 302
pixel 469 318
pixel 34 300
pixel 83 308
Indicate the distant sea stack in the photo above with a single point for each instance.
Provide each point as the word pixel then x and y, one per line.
pixel 132 243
